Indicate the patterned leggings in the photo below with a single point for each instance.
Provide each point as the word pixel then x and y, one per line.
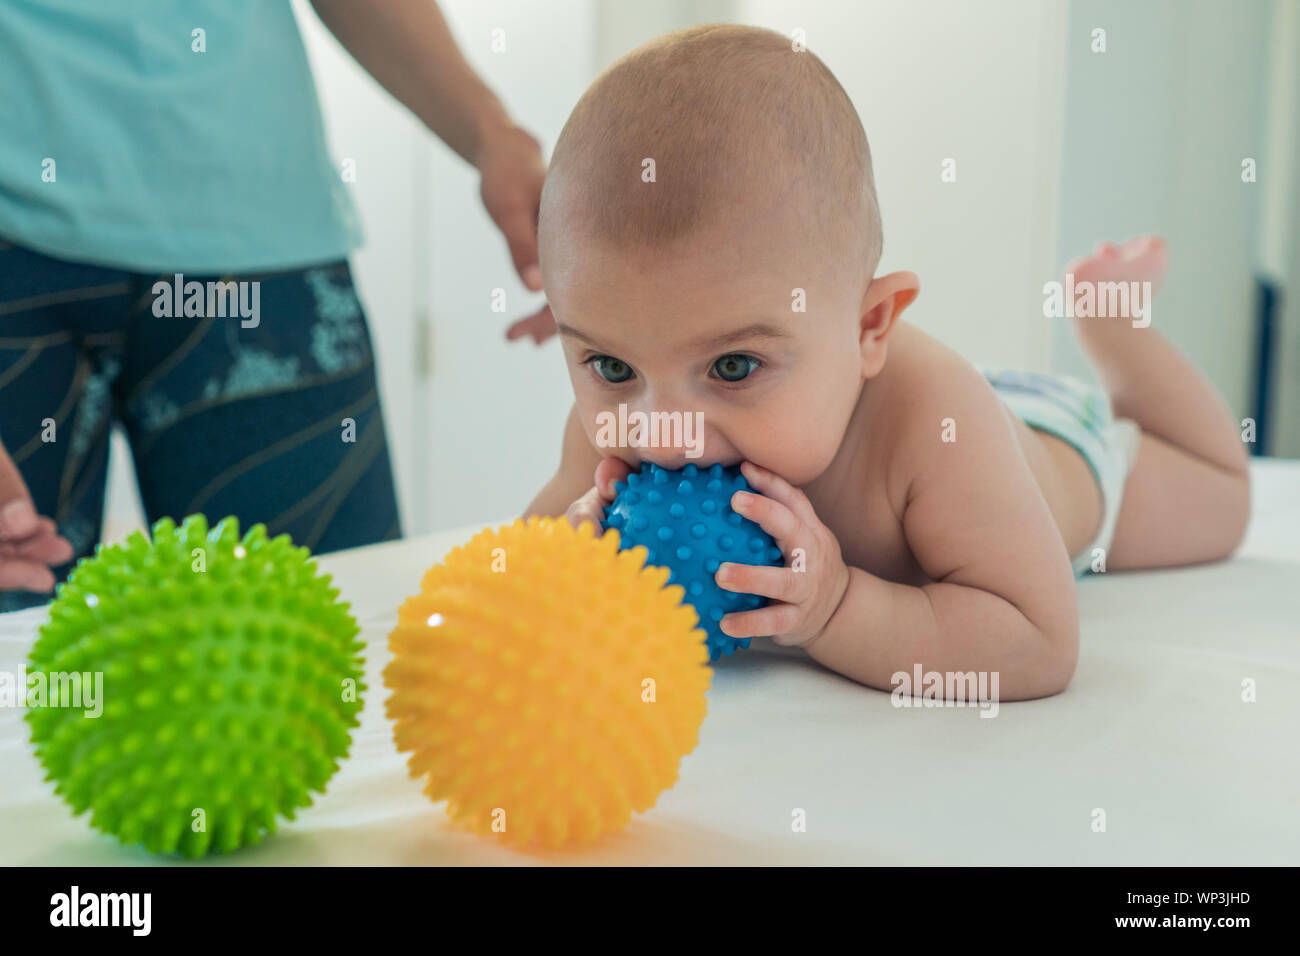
pixel 277 422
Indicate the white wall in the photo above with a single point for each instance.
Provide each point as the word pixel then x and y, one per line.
pixel 495 410
pixel 1159 125
pixel 622 26
pixel 1280 192
pixel 979 83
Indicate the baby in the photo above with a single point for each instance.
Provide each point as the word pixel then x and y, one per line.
pixel 709 236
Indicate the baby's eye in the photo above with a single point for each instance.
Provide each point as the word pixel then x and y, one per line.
pixel 735 368
pixel 610 369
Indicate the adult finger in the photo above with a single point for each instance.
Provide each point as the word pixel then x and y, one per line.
pixel 540 325
pixel 18 519
pixel 47 549
pixel 25 576
pixel 519 226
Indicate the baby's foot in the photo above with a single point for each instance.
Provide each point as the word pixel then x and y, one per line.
pixel 1121 280
pixel 1140 263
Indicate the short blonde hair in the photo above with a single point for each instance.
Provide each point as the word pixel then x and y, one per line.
pixel 723 110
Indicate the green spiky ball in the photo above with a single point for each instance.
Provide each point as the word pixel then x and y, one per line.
pixel 231 678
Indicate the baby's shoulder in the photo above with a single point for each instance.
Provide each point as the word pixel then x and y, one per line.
pixel 931 398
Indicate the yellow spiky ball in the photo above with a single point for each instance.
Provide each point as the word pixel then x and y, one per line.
pixel 546 684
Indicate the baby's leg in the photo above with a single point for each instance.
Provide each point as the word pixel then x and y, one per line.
pixel 1187 498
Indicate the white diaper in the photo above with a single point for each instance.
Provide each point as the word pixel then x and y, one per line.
pixel 1079 413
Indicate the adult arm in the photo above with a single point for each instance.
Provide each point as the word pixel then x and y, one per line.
pixel 408 48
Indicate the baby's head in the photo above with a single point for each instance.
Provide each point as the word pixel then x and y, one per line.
pixel 708 236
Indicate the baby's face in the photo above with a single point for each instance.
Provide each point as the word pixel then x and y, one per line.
pixel 708 327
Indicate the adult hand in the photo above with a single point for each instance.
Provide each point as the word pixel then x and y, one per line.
pixel 512 172
pixel 29 544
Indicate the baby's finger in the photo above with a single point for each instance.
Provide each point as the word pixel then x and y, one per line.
pixel 779 584
pixel 771 515
pixel 772 485
pixel 610 472
pixel 587 508
pixel 770 621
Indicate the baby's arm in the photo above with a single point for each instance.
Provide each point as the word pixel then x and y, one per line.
pixel 578 461
pixel 1002 597
pixel 571 492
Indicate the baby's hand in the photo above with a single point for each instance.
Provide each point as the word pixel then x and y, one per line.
pixel 591 506
pixel 804 600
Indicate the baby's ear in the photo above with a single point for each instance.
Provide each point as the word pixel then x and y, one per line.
pixel 887 296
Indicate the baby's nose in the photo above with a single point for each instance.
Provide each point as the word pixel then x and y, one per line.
pixel 668 436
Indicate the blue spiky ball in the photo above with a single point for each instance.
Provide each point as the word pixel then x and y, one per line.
pixel 231 676
pixel 685 520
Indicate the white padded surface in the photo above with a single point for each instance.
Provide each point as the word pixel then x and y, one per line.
pixel 1152 730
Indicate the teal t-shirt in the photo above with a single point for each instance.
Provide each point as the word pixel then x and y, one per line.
pixel 123 145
